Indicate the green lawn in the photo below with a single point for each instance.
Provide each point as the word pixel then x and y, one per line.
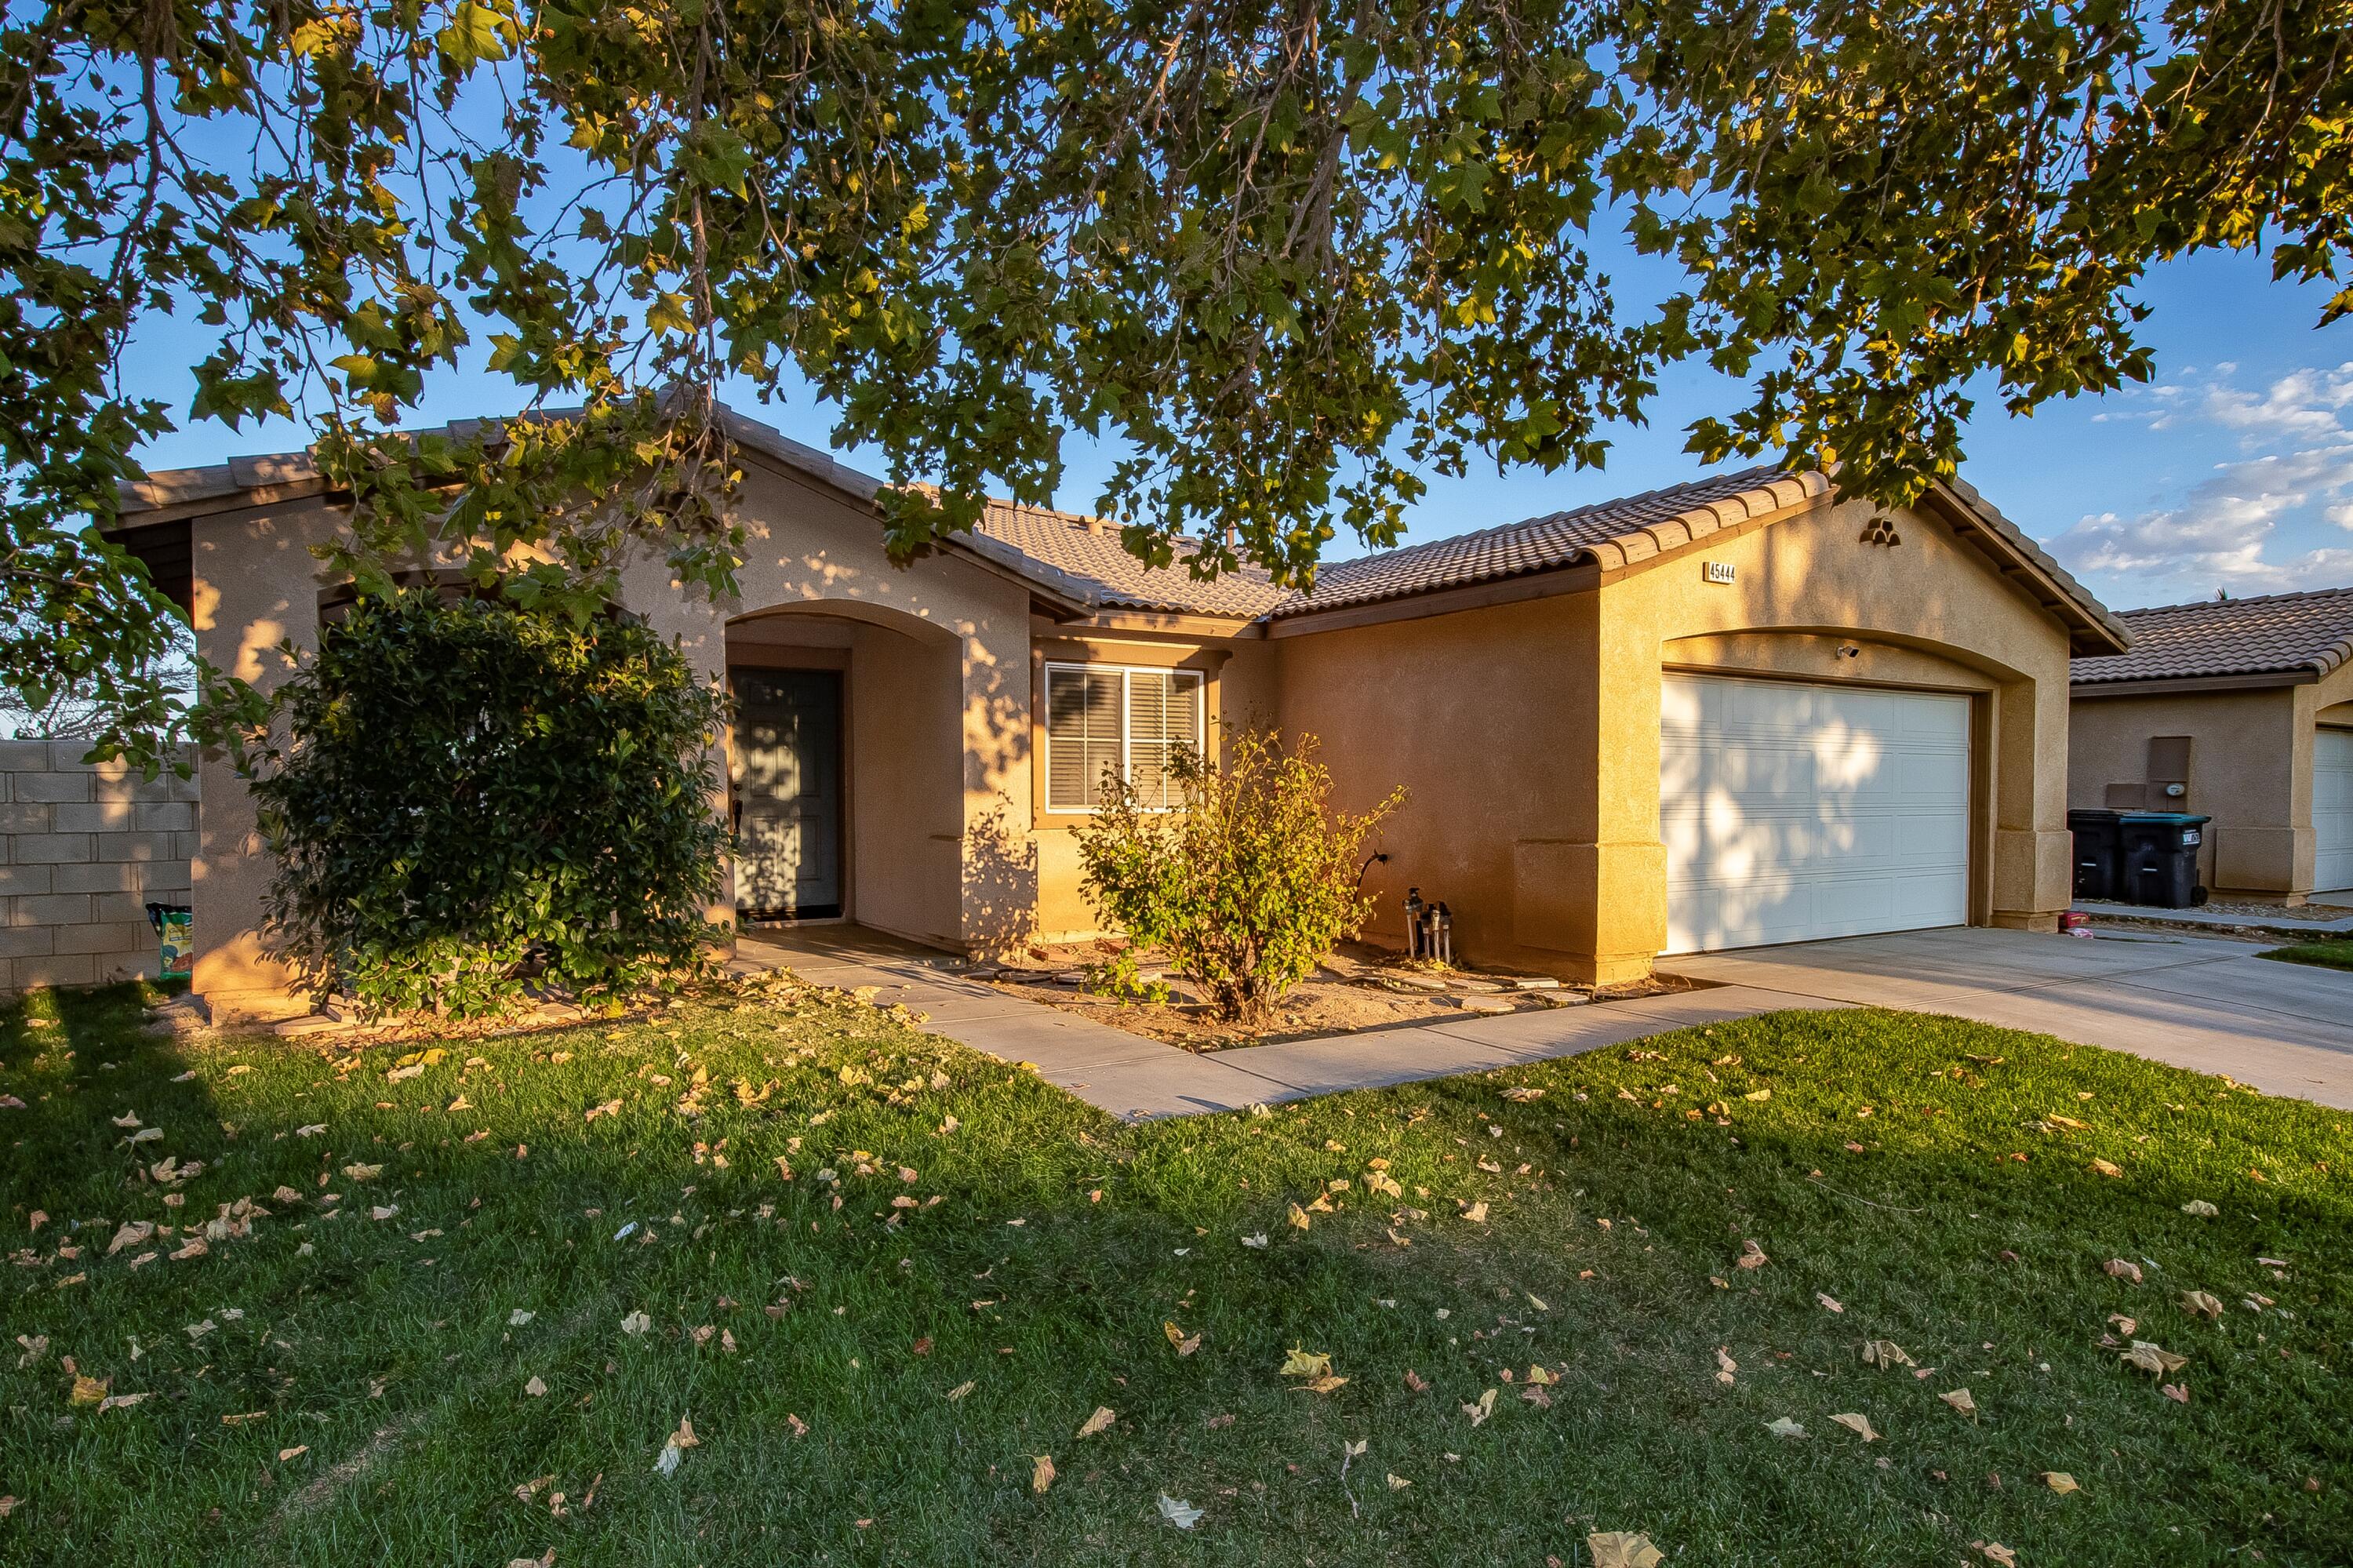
pixel 347 1391
pixel 2327 952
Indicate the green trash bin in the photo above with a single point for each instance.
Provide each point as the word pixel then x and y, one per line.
pixel 175 937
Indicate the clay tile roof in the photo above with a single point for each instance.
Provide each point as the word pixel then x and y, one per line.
pixel 1083 557
pixel 2282 634
pixel 1611 534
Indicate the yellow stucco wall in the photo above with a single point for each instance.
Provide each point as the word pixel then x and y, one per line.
pixel 1528 732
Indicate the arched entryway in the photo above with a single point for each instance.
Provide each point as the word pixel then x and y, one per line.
pixel 846 769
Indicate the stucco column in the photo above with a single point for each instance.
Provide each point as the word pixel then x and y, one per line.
pixel 1596 891
pixel 255 586
pixel 996 853
pixel 2033 853
pixel 698 627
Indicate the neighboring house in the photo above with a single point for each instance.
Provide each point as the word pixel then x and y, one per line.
pixel 2247 704
pixel 1734 712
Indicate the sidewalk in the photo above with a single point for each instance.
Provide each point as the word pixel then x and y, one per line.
pixel 2284 922
pixel 1137 1078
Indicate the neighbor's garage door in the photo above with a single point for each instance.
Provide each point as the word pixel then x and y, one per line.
pixel 2332 811
pixel 1793 811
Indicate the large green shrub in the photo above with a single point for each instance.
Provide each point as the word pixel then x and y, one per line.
pixel 471 797
pixel 1245 885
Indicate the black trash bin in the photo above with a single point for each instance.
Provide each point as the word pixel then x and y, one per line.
pixel 2157 862
pixel 2096 846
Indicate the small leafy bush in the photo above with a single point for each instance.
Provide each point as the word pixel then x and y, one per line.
pixel 472 799
pixel 1245 887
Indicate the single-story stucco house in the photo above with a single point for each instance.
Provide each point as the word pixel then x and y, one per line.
pixel 2247 706
pixel 1734 712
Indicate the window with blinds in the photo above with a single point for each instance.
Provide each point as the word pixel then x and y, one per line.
pixel 1104 719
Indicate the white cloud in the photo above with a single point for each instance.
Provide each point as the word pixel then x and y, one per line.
pixel 2296 435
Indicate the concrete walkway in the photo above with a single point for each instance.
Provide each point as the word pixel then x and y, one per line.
pixel 2195 1002
pixel 1135 1077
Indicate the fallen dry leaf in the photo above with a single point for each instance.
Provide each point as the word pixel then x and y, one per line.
pixel 1397 1483
pixel 1995 1552
pixel 1884 1353
pixel 2154 1360
pixel 1622 1549
pixel 1476 1212
pixel 1185 1344
pixel 1042 1472
pixel 2107 1168
pixel 1324 1384
pixel 1523 1095
pixel 2117 1268
pixel 1484 1408
pixel 2200 1208
pixel 1858 1424
pixel 1298 1217
pixel 87 1390
pixel 1959 1400
pixel 1783 1426
pixel 636 1323
pixel 2059 1481
pixel 296 1452
pixel 1830 1303
pixel 1752 1255
pixel 1102 1419
pixel 960 1390
pixel 535 1388
pixel 2176 1392
pixel 1305 1363
pixel 2201 1304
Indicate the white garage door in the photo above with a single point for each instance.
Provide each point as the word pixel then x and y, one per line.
pixel 2332 811
pixel 1793 812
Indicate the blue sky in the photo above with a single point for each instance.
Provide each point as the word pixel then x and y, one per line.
pixel 2233 470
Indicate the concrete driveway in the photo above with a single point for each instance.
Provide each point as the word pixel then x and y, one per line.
pixel 2194 1001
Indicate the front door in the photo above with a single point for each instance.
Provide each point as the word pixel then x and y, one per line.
pixel 787 786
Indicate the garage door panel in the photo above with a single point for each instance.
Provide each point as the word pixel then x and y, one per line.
pixel 2332 811
pixel 1791 812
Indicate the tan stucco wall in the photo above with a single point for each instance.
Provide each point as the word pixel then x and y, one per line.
pixel 2244 761
pixel 1238 691
pixel 1528 732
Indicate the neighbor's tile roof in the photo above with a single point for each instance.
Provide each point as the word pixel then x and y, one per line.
pixel 2278 633
pixel 1610 534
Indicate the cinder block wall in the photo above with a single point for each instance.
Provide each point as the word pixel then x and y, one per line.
pixel 84 848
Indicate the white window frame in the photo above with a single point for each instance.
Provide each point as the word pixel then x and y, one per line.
pixel 1126 673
